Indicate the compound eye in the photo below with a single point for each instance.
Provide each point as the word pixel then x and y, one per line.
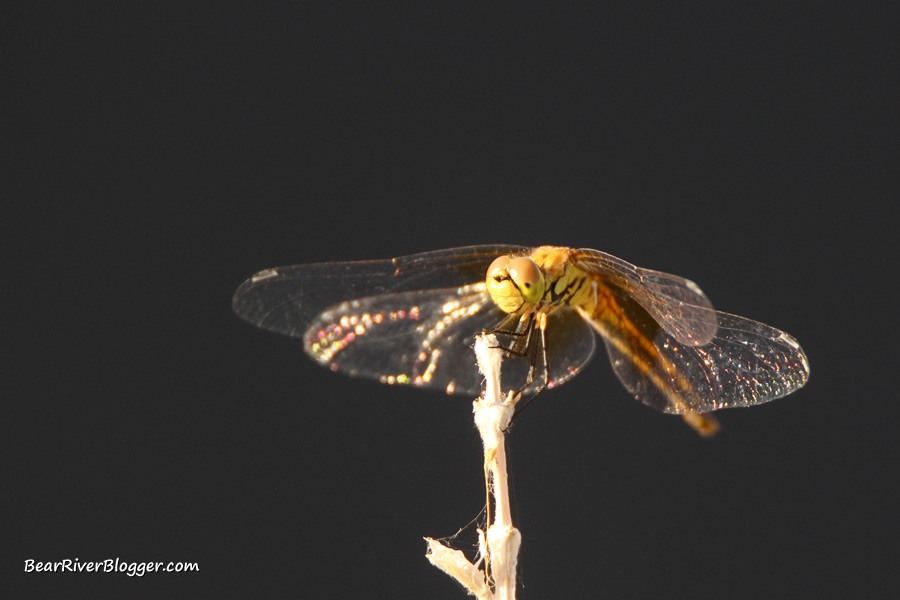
pixel 497 270
pixel 527 277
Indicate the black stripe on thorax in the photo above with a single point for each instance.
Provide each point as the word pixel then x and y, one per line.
pixel 570 290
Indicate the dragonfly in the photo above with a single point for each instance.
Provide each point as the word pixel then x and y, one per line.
pixel 412 320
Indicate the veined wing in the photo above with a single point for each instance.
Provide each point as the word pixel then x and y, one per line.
pixel 286 299
pixel 344 311
pixel 746 363
pixel 676 303
pixel 424 338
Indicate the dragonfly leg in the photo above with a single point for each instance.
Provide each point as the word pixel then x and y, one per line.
pixel 520 332
pixel 526 346
pixel 543 327
pixel 541 323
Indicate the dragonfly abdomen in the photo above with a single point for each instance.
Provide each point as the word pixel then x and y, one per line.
pixel 631 333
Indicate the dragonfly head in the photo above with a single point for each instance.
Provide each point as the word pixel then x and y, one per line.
pixel 513 282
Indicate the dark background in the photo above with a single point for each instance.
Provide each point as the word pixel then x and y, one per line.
pixel 157 154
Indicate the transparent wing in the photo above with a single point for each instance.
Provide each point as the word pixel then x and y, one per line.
pixel 286 299
pixel 676 303
pixel 410 319
pixel 424 338
pixel 746 363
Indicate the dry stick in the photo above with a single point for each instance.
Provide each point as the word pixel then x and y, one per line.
pixel 500 546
